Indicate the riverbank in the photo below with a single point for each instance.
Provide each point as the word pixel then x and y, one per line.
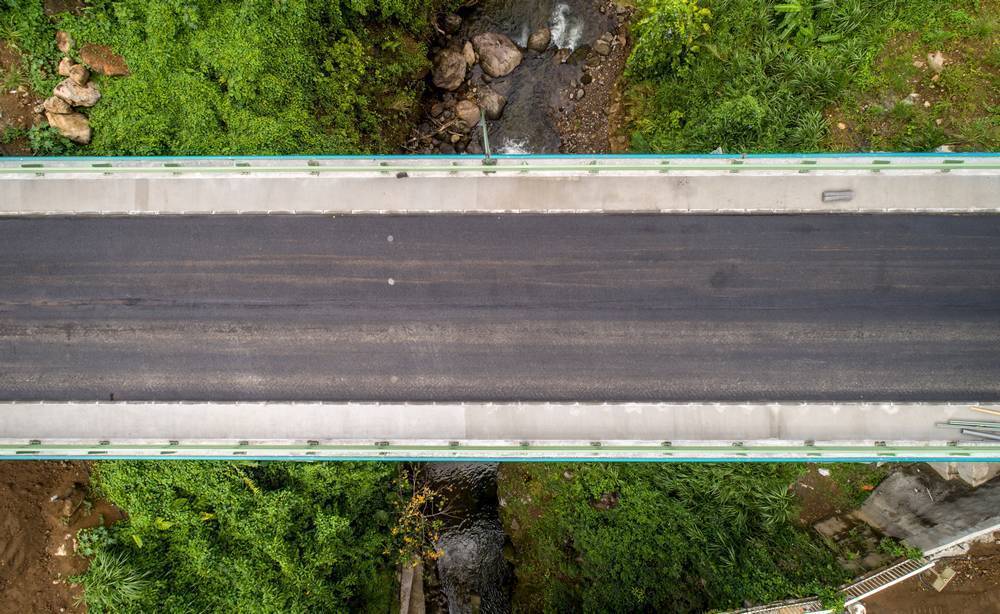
pixel 318 78
pixel 843 76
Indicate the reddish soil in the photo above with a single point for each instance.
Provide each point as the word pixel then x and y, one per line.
pixel 42 505
pixel 16 103
pixel 974 589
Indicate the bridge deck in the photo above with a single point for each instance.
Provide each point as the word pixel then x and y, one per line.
pixel 501 307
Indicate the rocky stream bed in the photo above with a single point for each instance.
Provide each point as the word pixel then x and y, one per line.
pixel 543 75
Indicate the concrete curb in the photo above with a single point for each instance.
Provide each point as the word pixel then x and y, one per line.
pixel 508 431
pixel 709 184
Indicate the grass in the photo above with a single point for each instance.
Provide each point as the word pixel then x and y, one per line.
pixel 959 107
pixel 678 538
pixel 111 584
pixel 856 481
pixel 823 75
pixel 243 537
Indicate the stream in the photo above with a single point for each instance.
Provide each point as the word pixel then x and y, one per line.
pixel 473 575
pixel 540 90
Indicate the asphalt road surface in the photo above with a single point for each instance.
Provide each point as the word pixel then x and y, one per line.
pixel 582 307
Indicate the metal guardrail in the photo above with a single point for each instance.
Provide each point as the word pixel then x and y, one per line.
pixel 513 451
pixel 503 164
pixel 851 593
pixel 882 580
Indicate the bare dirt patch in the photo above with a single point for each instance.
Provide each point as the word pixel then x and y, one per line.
pixel 42 506
pixel 17 102
pixel 975 587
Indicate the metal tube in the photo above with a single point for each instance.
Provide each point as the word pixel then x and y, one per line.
pixel 980 434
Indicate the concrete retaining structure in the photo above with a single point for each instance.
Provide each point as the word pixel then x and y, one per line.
pixel 598 431
pixel 539 184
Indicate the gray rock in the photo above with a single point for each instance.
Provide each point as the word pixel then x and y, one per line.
pixel 467 112
pixel 54 104
pixel 446 149
pixel 492 103
pixel 77 95
pixel 64 42
pixel 449 69
pixel 437 109
pixel 498 55
pixel 602 46
pixel 936 61
pixel 65 65
pixel 79 74
pixel 73 126
pixel 469 54
pixel 540 39
pixel 579 94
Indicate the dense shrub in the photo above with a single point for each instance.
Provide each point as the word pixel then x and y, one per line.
pixel 658 538
pixel 666 35
pixel 243 537
pixel 228 77
pixel 767 70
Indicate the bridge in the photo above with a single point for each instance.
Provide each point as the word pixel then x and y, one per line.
pixel 522 307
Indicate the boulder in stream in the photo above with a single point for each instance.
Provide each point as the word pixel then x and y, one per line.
pixel 469 54
pixel 540 39
pixel 491 103
pixel 449 69
pixel 498 55
pixel 468 112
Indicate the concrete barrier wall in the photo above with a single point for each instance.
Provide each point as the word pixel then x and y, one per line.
pixel 658 431
pixel 545 185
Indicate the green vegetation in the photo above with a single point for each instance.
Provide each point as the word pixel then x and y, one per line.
pixel 241 77
pixel 25 27
pixel 243 537
pixel 651 537
pixel 855 481
pixel 817 75
pixel 894 548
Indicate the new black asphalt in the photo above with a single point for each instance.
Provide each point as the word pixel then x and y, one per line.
pixel 451 307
